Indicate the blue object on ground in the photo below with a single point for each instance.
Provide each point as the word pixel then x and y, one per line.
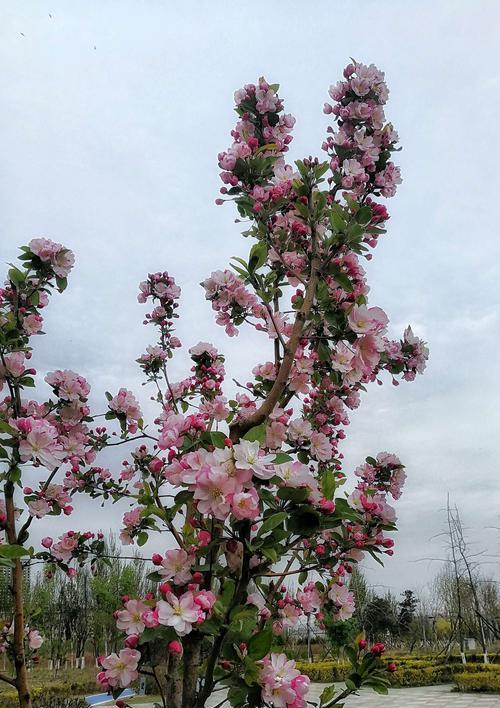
pixel 101 698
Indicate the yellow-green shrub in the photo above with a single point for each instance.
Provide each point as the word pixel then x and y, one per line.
pixel 324 671
pixel 53 695
pixel 484 681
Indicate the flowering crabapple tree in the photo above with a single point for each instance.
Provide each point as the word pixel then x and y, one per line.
pixel 249 489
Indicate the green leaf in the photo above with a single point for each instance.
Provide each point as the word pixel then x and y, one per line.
pixel 62 283
pixel 336 219
pixel 260 644
pixel 327 695
pixel 256 433
pixel 6 428
pixel 271 522
pixel 142 538
pixel 328 484
pixel 364 215
pixel 304 521
pixel 227 592
pixel 344 282
pixel 13 551
pixel 323 351
pixel 218 439
pixel 16 276
pixel 293 494
pixel 380 688
pixel 280 458
pixel 258 256
pixel 352 655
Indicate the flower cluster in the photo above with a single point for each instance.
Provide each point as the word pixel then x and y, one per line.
pixel 254 164
pixel 33 640
pixel 361 147
pixel 282 684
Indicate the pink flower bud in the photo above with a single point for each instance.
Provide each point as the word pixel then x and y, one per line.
pixel 155 466
pixel 157 559
pixel 175 647
pixel 47 542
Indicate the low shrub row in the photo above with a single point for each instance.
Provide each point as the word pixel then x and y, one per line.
pixel 53 695
pixel 408 674
pixel 480 681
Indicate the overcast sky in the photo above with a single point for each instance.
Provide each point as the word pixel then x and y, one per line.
pixel 113 112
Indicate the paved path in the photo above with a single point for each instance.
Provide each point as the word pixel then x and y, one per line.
pixel 425 697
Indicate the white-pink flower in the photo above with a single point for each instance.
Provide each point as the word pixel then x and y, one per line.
pixel 212 492
pixel 321 448
pixel 176 566
pixel 342 358
pixel 340 596
pixel 180 613
pixel 68 385
pixel 41 444
pixel 38 508
pixel 130 619
pixel 121 669
pixel 247 457
pixel 364 320
pixel 126 404
pixel 35 639
pixel 245 505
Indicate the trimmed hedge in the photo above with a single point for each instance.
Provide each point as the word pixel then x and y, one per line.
pixel 324 671
pixel 414 672
pixel 480 681
pixel 53 695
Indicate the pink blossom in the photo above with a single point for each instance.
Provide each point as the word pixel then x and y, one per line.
pixel 35 639
pixel 343 599
pixel 176 566
pixel 40 444
pixel 245 505
pixel 32 324
pixel 130 618
pixel 68 385
pixel 364 320
pixel 342 358
pixel 212 492
pixel 247 457
pixel 179 613
pixel 38 508
pixel 282 684
pixel 321 448
pixel 61 259
pixel 125 403
pixel 14 365
pixel 121 670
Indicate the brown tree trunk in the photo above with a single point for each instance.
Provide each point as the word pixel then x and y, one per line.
pixel 173 692
pixel 191 661
pixel 16 589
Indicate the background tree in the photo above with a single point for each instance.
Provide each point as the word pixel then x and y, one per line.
pixel 407 611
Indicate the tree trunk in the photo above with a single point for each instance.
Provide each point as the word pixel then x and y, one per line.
pixel 191 661
pixel 16 590
pixel 173 691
